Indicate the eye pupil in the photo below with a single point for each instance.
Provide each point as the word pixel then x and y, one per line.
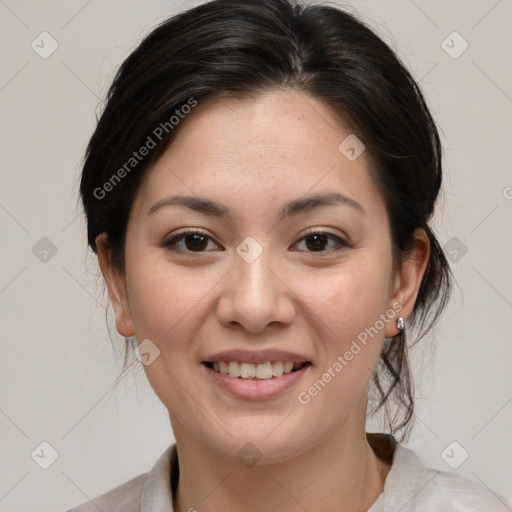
pixel 200 242
pixel 319 241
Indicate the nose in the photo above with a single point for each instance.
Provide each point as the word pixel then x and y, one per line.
pixel 255 295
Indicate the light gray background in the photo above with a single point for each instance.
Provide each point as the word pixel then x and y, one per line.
pixel 58 366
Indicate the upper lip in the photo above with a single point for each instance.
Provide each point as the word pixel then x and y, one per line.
pixel 260 356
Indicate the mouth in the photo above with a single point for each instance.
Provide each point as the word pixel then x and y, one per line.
pixel 269 370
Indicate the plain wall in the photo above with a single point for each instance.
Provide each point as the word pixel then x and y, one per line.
pixel 58 365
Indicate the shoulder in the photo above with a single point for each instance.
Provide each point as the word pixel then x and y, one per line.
pixel 147 491
pixel 456 493
pixel 410 486
pixel 125 497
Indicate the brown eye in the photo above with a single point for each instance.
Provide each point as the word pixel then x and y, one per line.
pixel 188 241
pixel 318 241
pixel 195 242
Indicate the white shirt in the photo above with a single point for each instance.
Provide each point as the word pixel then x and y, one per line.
pixel 409 487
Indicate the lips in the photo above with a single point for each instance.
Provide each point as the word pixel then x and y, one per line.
pixel 256 375
pixel 255 388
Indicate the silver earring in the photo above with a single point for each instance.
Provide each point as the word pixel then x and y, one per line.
pixel 400 323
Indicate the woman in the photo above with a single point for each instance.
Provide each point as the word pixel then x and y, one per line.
pixel 237 137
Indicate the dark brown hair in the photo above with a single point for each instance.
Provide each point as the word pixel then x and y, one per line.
pixel 240 48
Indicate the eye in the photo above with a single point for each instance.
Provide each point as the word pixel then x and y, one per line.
pixel 316 241
pixel 188 241
pixel 197 241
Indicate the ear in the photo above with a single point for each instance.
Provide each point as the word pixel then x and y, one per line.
pixel 407 279
pixel 116 287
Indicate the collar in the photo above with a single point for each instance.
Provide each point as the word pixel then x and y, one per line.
pixel 162 480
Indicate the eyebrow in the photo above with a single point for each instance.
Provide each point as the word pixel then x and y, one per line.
pixel 296 207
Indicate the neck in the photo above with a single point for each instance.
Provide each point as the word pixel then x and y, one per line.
pixel 333 475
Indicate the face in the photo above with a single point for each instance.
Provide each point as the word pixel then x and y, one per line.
pixel 263 276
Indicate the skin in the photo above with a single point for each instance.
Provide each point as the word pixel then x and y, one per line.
pixel 253 156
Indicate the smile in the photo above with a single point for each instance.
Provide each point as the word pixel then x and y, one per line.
pixel 255 371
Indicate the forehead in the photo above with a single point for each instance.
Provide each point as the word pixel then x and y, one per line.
pixel 281 143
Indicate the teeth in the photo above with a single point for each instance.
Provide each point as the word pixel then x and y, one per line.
pixel 277 369
pixel 247 370
pixel 234 369
pixel 262 371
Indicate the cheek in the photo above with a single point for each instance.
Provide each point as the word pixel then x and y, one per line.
pixel 347 306
pixel 351 298
pixel 169 306
pixel 162 297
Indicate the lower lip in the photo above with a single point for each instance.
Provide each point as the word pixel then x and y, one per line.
pixel 256 389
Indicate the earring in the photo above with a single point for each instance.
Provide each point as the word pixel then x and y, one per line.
pixel 400 323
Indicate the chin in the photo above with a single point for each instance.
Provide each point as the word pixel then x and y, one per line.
pixel 270 442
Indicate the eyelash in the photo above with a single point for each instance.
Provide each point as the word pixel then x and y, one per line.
pixel 171 243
